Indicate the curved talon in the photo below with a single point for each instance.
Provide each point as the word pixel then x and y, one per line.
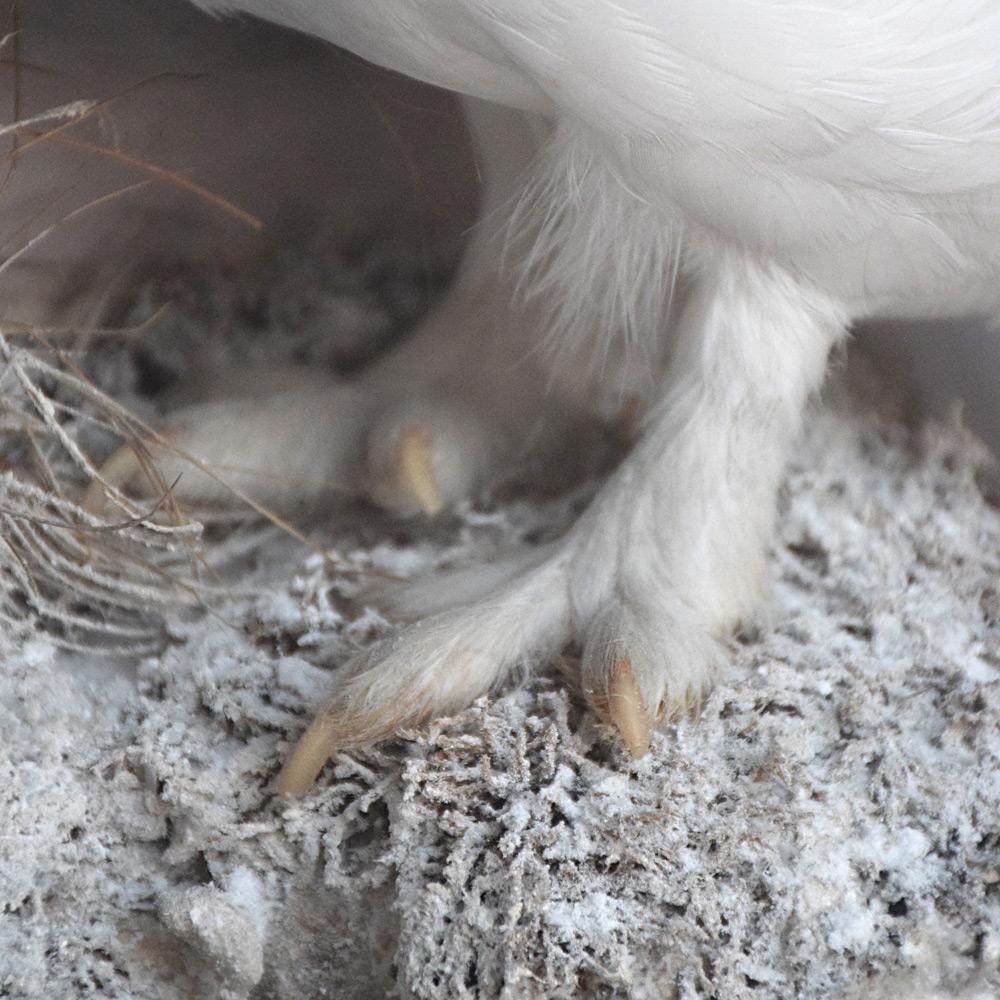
pixel 338 727
pixel 416 469
pixel 315 747
pixel 118 470
pixel 627 710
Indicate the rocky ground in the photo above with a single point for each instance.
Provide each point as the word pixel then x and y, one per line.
pixel 828 827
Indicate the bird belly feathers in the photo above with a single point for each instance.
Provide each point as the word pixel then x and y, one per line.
pixel 856 144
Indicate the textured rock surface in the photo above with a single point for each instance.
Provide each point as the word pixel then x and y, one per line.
pixel 830 826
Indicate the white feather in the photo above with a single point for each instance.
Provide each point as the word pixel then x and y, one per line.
pixel 801 164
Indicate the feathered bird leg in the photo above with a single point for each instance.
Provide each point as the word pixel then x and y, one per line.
pixel 683 525
pixel 423 428
pixel 668 556
pixel 439 664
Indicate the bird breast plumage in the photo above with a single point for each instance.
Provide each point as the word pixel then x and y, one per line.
pixel 857 143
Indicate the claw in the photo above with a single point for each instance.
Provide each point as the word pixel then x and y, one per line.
pixel 123 466
pixel 627 710
pixel 316 746
pixel 339 727
pixel 416 469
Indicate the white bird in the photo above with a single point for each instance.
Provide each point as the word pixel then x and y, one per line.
pixel 798 166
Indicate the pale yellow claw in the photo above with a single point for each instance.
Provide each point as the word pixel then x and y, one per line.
pixel 123 466
pixel 313 750
pixel 627 710
pixel 416 469
pixel 339 727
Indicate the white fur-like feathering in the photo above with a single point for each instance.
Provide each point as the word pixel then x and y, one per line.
pixel 738 180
